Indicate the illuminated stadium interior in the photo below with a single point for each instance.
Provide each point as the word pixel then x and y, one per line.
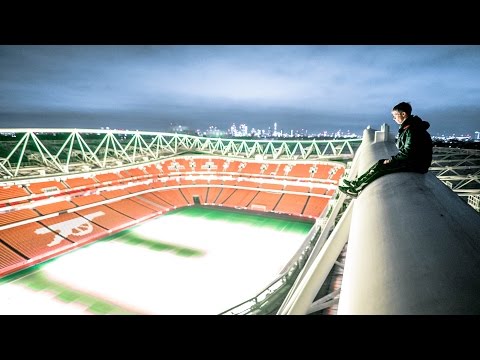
pixel 138 219
pixel 162 267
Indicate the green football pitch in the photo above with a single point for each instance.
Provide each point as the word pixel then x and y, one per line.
pixel 193 260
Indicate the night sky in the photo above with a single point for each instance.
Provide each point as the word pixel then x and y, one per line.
pixel 313 87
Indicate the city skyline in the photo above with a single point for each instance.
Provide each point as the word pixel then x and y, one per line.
pixel 278 131
pixel 314 87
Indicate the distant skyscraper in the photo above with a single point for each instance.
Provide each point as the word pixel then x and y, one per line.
pixel 243 130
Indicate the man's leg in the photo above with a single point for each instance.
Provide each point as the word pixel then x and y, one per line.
pixel 378 170
pixel 364 177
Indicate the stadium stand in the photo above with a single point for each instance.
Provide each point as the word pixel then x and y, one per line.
pixel 41 219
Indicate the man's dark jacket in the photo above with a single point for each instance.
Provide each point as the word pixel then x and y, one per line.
pixel 414 144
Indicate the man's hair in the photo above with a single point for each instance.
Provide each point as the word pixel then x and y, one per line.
pixel 403 107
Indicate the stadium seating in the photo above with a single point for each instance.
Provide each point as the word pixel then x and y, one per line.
pixel 42 219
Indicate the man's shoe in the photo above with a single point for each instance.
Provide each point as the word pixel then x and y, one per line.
pixel 349 183
pixel 349 191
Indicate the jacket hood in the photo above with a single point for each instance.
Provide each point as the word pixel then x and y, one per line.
pixel 414 120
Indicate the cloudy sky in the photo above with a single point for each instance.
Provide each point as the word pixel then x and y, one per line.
pixel 313 87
